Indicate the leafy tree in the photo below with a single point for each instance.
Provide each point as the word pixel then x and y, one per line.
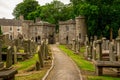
pixel 33 15
pixel 102 16
pixel 25 7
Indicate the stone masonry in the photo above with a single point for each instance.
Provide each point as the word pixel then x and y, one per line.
pixel 72 30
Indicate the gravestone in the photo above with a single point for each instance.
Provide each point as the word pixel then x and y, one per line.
pixel 77 46
pixel 118 45
pixel 107 44
pixel 94 50
pixel 99 42
pixel 46 51
pixel 40 56
pixel 15 54
pixel 73 44
pixel 9 57
pixel 112 54
pixel 7 73
pixel 37 65
pixel 104 43
pixel 91 47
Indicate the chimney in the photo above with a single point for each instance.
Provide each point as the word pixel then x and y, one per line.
pixel 21 17
pixel 37 19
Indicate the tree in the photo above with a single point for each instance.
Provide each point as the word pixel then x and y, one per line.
pixel 101 16
pixel 25 7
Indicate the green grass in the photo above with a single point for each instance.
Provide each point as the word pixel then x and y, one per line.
pixel 84 64
pixel 26 64
pixel 21 51
pixel 79 60
pixel 35 76
pixel 102 78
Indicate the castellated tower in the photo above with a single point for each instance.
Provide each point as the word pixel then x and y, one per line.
pixel 81 28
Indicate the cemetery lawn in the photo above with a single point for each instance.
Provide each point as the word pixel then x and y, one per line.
pixel 26 69
pixel 86 67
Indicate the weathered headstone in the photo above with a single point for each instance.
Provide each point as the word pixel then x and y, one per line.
pixel 99 42
pixel 118 45
pixel 46 51
pixel 94 50
pixel 37 65
pixel 9 57
pixel 91 47
pixel 40 55
pixel 112 55
pixel 73 44
pixel 104 43
pixel 15 54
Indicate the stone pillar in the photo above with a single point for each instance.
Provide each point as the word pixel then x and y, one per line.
pixel 73 47
pixel 41 57
pixel 46 51
pixel 87 52
pixel 37 66
pixel 104 43
pixel 99 42
pixel 118 48
pixel 79 43
pixel 77 46
pixel 86 40
pixel 107 44
pixel 94 50
pixel 9 57
pixel 112 55
pixel 15 54
pixel 91 47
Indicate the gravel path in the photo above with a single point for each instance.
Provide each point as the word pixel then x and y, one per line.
pixel 64 68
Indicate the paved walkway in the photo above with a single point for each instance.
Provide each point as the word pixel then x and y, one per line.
pixel 64 68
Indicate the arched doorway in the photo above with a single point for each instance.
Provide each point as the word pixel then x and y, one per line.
pixel 51 39
pixel 37 39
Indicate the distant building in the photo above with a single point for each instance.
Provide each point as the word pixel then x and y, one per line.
pixel 72 30
pixel 28 29
pixel 67 31
pixel 11 27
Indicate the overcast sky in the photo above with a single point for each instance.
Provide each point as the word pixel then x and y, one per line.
pixel 7 6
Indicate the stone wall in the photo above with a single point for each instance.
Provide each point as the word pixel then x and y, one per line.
pixel 41 30
pixel 72 30
pixel 12 31
pixel 66 32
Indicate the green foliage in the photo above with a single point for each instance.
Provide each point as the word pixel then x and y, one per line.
pixel 34 76
pixel 99 15
pixel 24 65
pixel 25 7
pixel 102 78
pixel 51 12
pixel 4 48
